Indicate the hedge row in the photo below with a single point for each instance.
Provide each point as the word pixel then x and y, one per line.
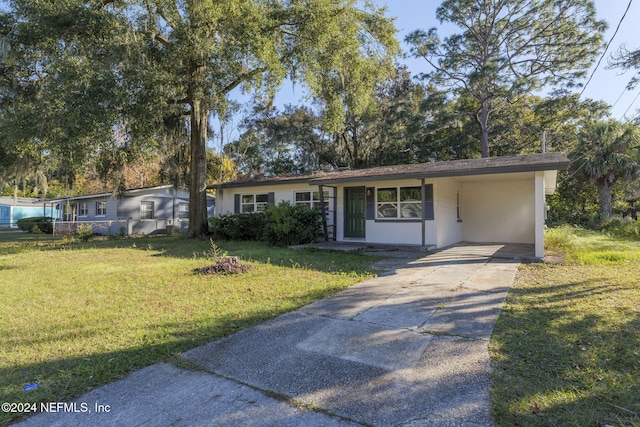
pixel 279 225
pixel 36 224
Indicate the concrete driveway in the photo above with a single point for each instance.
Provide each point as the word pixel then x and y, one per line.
pixel 408 348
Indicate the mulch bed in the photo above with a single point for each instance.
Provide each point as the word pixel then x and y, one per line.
pixel 224 265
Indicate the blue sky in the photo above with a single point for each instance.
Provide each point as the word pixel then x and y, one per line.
pixel 607 85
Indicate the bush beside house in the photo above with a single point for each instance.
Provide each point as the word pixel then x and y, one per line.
pixel 36 224
pixel 279 225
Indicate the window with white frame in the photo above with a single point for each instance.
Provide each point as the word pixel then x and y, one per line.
pixel 399 202
pixel 311 199
pixel 101 208
pixel 183 211
pixel 254 202
pixel 83 210
pixel 458 210
pixel 146 210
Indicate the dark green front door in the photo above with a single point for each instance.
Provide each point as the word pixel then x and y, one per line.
pixel 354 212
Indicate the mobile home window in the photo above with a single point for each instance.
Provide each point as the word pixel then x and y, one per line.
pixel 146 210
pixel 183 211
pixel 399 202
pixel 83 210
pixel 101 208
pixel 254 202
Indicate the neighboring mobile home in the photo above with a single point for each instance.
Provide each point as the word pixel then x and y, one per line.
pixel 146 210
pixel 500 199
pixel 14 208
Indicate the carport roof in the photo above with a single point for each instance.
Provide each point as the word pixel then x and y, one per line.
pixel 466 167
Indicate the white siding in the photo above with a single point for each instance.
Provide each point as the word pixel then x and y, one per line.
pixel 499 211
pixel 408 233
pixel 449 230
pixel 493 209
pixel 401 232
pixel 281 192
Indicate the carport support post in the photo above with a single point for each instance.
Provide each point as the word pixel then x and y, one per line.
pixel 540 207
pixel 423 196
pixel 324 213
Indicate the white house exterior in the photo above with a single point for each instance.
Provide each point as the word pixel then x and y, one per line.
pixel 436 204
pixel 146 210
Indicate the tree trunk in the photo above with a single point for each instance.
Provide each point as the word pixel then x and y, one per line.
pixel 605 199
pixel 198 219
pixel 483 123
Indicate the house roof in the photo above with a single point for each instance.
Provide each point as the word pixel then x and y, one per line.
pixel 20 201
pixel 128 192
pixel 466 167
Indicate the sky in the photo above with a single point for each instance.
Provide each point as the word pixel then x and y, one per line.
pixel 608 85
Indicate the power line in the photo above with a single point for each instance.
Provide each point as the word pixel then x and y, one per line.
pixel 619 97
pixel 630 105
pixel 606 48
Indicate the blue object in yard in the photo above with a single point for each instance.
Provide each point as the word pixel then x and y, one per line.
pixel 30 386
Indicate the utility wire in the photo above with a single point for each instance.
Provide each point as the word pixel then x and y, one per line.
pixel 628 108
pixel 619 97
pixel 606 48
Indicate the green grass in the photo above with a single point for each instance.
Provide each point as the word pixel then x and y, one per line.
pixel 566 347
pixel 79 315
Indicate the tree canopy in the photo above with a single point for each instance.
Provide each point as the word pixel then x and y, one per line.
pixel 111 77
pixel 608 152
pixel 508 49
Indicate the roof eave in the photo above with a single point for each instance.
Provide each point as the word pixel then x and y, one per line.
pixel 445 173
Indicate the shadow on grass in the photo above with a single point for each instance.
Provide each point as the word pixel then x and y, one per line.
pixel 279 364
pixel 66 378
pixel 186 248
pixel 567 354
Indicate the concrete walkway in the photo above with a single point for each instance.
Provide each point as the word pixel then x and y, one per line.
pixel 408 348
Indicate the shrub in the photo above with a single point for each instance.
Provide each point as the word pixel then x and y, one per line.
pixel 289 224
pixel 84 232
pixel 43 224
pixel 240 226
pixel 619 227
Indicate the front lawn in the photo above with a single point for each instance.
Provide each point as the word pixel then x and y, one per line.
pixel 76 316
pixel 566 347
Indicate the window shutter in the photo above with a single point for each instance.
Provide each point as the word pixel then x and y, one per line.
pixel 428 202
pixel 271 198
pixel 236 203
pixel 370 193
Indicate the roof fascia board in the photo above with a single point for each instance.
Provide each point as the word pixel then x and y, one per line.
pixel 444 173
pixel 545 162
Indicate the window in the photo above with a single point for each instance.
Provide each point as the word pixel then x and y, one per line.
pixel 101 208
pixel 183 211
pixel 83 210
pixel 458 211
pixel 254 202
pixel 68 211
pixel 311 199
pixel 146 210
pixel 399 202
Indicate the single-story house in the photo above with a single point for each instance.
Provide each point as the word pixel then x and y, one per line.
pixel 136 211
pixel 500 199
pixel 14 208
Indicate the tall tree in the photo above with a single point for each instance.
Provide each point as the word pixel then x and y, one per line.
pixel 608 153
pixel 150 60
pixel 507 49
pixel 627 60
